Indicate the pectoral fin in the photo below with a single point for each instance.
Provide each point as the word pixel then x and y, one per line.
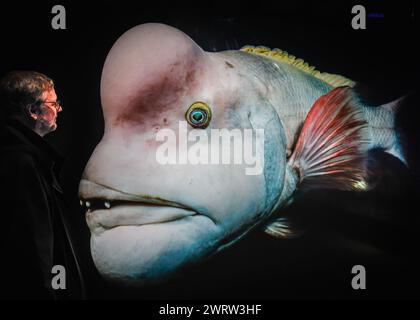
pixel 282 228
pixel 331 151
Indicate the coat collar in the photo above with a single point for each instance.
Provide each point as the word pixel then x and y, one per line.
pixel 23 138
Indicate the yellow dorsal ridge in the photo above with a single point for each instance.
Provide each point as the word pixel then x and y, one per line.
pixel 334 80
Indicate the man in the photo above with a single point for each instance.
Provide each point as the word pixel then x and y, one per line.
pixel 34 235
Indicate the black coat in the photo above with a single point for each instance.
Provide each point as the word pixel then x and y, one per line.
pixel 35 235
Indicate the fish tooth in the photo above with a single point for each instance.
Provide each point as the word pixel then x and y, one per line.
pixel 107 204
pixel 87 204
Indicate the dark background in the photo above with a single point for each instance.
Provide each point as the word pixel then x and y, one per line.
pixel 377 229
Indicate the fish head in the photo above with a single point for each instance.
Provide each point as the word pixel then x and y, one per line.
pixel 148 218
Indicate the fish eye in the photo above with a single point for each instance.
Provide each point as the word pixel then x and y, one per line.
pixel 198 115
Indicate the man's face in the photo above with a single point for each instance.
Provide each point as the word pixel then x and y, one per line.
pixel 47 117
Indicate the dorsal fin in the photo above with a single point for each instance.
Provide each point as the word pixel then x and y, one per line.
pixel 331 151
pixel 334 80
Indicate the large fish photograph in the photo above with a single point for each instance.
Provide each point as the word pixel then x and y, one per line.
pixel 265 151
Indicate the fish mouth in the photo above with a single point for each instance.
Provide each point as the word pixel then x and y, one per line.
pixel 107 208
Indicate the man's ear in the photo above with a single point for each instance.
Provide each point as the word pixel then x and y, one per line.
pixel 32 110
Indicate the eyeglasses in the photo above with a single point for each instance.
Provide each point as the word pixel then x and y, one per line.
pixel 55 104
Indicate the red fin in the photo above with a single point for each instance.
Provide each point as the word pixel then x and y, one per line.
pixel 331 151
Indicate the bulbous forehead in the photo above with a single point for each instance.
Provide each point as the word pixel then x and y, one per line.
pixel 148 68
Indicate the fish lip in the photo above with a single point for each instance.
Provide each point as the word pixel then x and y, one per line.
pixel 89 190
pixel 100 226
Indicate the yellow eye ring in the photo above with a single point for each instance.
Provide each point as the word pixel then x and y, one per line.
pixel 198 115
